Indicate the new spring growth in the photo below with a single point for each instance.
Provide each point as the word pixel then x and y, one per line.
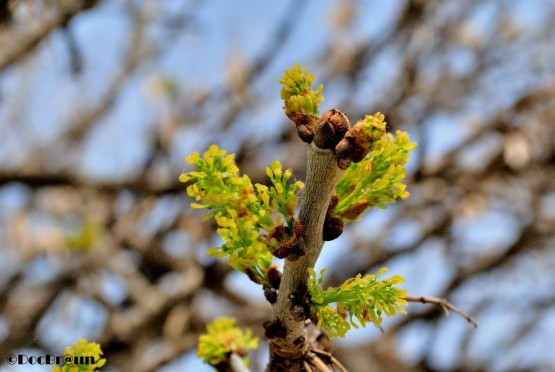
pixel 82 350
pixel 257 222
pixel 377 179
pixel 300 101
pixel 359 140
pixel 222 339
pixel 375 172
pixel 246 214
pixel 374 160
pixel 362 298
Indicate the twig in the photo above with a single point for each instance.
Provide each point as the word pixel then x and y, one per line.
pixel 333 360
pixel 317 363
pixel 237 364
pixel 322 175
pixel 445 306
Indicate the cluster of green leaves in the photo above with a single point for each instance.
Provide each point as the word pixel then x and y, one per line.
pixel 364 298
pixel 82 348
pixel 222 339
pixel 297 94
pixel 377 179
pixel 242 211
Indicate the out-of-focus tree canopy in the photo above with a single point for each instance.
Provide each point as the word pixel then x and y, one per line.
pixel 100 101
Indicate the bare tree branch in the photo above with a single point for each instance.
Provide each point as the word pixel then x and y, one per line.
pixel 444 305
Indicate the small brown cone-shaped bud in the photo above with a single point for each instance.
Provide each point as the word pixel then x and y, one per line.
pixel 304 123
pixel 289 248
pixel 278 232
pixel 305 134
pixel 274 277
pixel 270 294
pixel 358 140
pixel 343 152
pixel 293 248
pixel 330 129
pixel 333 228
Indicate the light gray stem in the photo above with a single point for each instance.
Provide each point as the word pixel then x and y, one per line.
pixel 237 364
pixel 322 175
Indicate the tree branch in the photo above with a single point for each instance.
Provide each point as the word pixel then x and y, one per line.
pixel 444 305
pixel 322 175
pixel 236 363
pixel 16 44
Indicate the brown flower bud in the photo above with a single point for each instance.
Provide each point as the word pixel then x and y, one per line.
pixel 356 144
pixel 333 228
pixel 278 232
pixel 304 123
pixel 270 294
pixel 274 329
pixel 274 277
pixel 330 129
pixel 290 249
pixel 349 150
pixel 293 248
pixel 298 228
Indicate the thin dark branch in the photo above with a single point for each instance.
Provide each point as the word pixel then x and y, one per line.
pixel 444 305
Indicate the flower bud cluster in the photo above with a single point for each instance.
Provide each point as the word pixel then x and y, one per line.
pixel 362 298
pixel 222 339
pixel 375 180
pixel 245 213
pixel 300 101
pixel 82 350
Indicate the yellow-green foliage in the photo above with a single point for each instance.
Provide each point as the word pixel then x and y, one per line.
pixel 377 179
pixel 82 348
pixel 297 93
pixel 242 211
pixel 364 298
pixel 222 339
pixel 373 127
